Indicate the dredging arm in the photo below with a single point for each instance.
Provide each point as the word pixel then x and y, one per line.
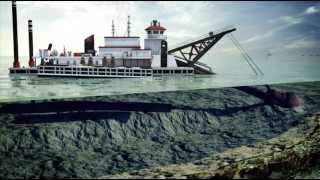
pixel 188 53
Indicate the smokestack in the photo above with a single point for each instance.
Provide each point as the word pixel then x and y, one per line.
pixel 89 45
pixel 49 46
pixel 16 63
pixel 31 61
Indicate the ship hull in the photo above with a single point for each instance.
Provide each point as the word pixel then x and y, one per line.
pixel 108 72
pixel 32 70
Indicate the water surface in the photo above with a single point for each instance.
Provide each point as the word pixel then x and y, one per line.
pixel 21 87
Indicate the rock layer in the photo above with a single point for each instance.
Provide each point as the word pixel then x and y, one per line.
pixel 284 156
pixel 85 143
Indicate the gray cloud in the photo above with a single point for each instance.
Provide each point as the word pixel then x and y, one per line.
pixel 261 26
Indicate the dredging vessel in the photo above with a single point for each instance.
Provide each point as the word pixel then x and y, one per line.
pixel 120 56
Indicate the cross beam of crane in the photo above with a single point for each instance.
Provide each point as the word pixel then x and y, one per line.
pixel 189 53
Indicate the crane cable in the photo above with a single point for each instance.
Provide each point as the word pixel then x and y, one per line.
pixel 249 60
pixel 246 56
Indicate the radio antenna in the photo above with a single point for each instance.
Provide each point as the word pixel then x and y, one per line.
pixel 129 26
pixel 113 29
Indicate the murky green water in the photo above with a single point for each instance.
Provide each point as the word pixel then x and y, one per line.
pixel 18 87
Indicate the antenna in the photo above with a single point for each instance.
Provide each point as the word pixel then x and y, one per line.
pixel 129 26
pixel 112 29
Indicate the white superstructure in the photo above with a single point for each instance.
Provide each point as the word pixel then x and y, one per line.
pixel 124 52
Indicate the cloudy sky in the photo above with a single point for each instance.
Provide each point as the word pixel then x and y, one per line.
pixel 281 29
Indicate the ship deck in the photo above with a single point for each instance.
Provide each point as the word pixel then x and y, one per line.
pixel 92 71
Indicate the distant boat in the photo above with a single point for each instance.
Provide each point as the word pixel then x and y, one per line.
pixel 269 54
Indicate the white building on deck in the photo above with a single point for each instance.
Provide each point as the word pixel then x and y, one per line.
pixel 126 51
pixel 120 56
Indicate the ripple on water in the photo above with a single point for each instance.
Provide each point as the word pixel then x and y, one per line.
pixel 14 87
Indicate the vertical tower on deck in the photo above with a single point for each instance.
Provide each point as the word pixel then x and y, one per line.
pixel 16 63
pixel 156 41
pixel 31 60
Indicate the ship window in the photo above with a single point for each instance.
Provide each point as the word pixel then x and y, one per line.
pixel 190 71
pixel 149 32
pixel 184 71
pixel 161 32
pixel 50 68
pixel 155 32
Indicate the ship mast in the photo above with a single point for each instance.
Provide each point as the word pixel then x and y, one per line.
pixel 128 26
pixel 112 28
